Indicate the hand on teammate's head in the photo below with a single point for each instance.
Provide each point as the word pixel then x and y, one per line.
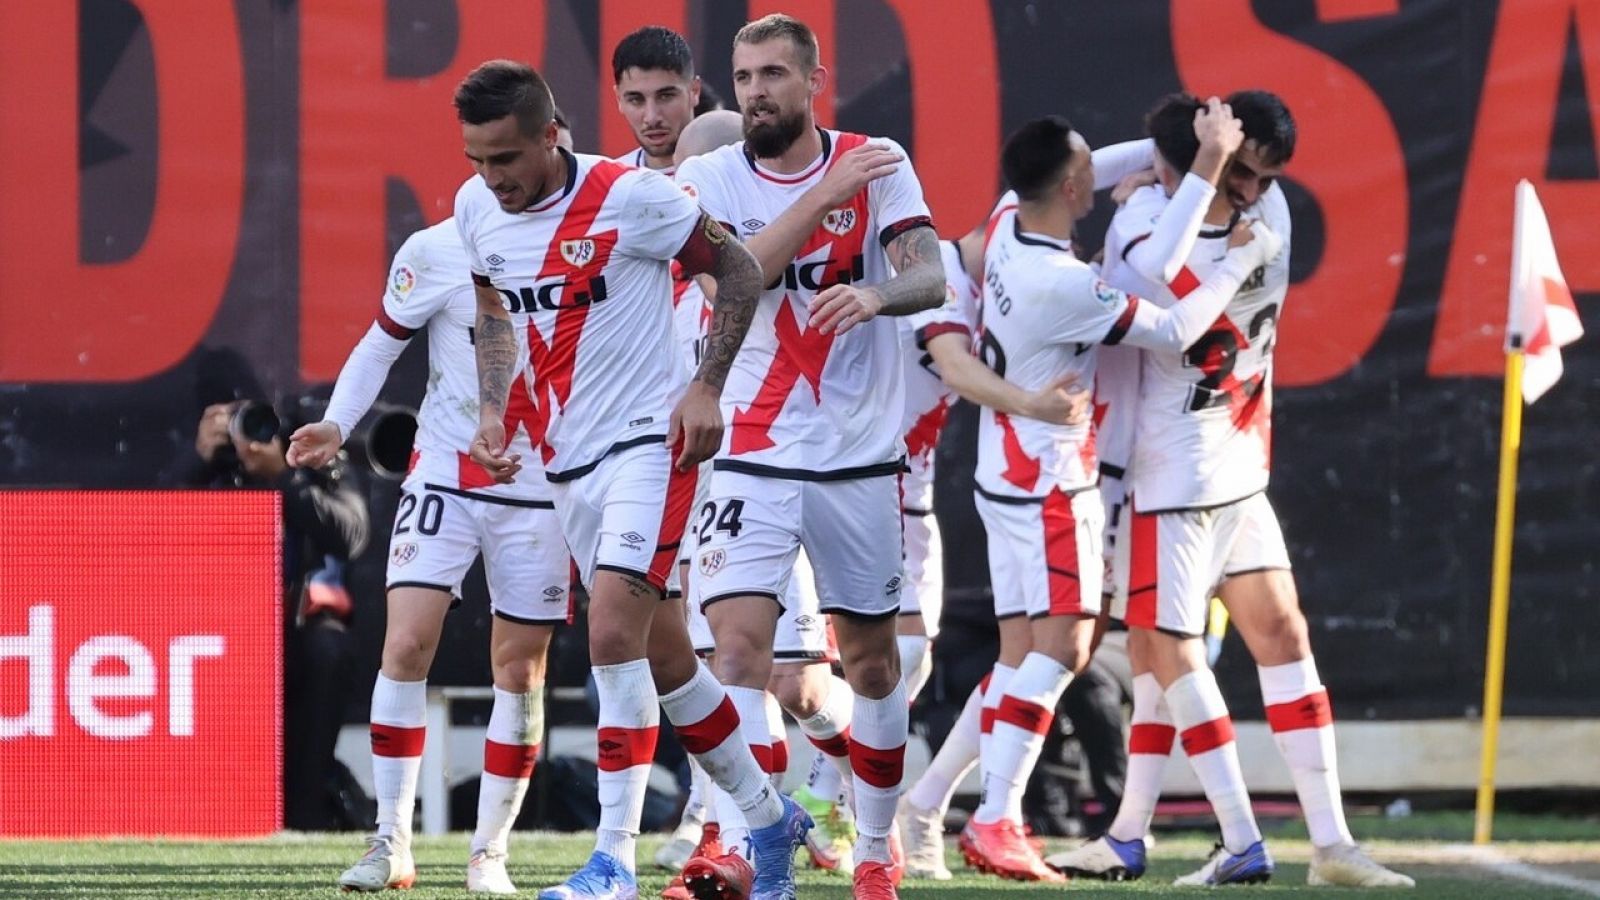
pixel 1216 126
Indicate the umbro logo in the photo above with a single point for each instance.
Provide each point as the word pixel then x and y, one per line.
pixel 496 259
pixel 892 586
pixel 633 537
pixel 609 747
pixel 753 224
pixel 552 592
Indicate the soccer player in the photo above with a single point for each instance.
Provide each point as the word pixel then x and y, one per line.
pixel 939 366
pixel 801 676
pixel 1044 313
pixel 1200 470
pixel 923 807
pixel 450 511
pixel 582 244
pixel 813 451
pixel 657 91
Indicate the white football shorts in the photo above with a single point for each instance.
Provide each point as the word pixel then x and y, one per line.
pixel 439 531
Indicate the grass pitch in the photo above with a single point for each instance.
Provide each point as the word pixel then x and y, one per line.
pixel 306 865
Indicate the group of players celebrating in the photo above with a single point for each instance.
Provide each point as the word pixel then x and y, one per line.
pixel 707 380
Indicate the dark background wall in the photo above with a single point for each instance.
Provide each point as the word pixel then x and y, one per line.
pixel 201 200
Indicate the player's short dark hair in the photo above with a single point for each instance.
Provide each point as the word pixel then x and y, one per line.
pixel 778 25
pixel 1267 121
pixel 653 47
pixel 1035 157
pixel 503 87
pixel 560 118
pixel 710 99
pixel 1171 124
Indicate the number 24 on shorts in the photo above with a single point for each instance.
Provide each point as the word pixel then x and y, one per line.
pixel 727 520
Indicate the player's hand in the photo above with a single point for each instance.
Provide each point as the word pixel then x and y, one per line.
pixel 212 435
pixel 489 450
pixel 1130 183
pixel 1262 242
pixel 313 446
pixel 1217 129
pixel 1061 402
pixel 854 170
pixel 696 424
pixel 842 307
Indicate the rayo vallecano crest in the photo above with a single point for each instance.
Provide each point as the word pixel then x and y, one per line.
pixel 578 253
pixel 840 221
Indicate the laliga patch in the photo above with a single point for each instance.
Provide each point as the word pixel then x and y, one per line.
pixel 1105 293
pixel 711 561
pixel 578 253
pixel 403 553
pixel 403 281
pixel 839 222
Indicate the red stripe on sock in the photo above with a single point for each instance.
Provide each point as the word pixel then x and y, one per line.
pixel 1208 736
pixel 509 760
pixel 837 746
pixel 1310 711
pixel 780 757
pixel 763 755
pixel 624 748
pixel 709 733
pixel 986 720
pixel 395 742
pixel 1022 714
pixel 1151 737
pixel 879 768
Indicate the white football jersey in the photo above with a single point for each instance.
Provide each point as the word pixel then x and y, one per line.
pixel 1204 433
pixel 430 286
pixel 589 267
pixel 799 403
pixel 928 400
pixel 1044 314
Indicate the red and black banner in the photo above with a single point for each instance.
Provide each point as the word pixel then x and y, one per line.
pixel 201 198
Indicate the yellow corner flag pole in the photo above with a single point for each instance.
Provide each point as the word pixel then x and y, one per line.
pixel 1499 592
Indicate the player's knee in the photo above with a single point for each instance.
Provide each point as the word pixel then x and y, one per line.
pixel 407 654
pixel 744 664
pixel 518 676
pixel 794 694
pixel 874 676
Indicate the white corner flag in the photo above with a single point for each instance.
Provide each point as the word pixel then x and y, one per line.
pixel 1543 318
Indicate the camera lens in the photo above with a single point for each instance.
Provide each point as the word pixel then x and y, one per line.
pixel 255 421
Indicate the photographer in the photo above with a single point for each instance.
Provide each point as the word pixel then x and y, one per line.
pixel 240 444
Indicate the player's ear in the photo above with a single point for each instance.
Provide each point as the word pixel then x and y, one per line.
pixel 694 92
pixel 552 135
pixel 817 80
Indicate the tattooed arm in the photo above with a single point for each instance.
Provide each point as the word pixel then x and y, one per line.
pixel 495 345
pixel 698 417
pixel 918 285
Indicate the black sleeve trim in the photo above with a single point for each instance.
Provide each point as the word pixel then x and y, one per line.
pixel 889 233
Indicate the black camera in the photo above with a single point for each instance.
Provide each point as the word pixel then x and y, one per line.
pixel 254 421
